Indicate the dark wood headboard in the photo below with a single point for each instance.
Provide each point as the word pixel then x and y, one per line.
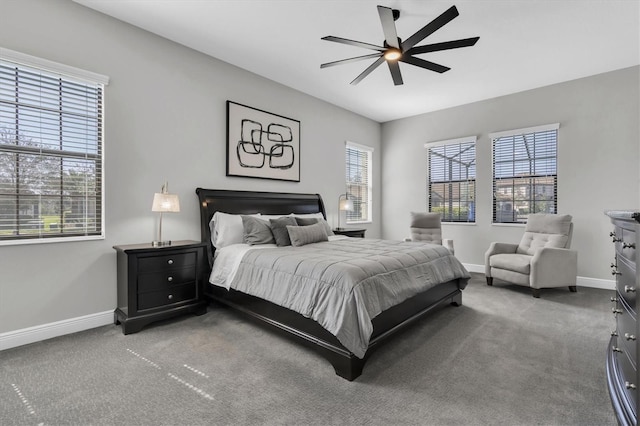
pixel 250 202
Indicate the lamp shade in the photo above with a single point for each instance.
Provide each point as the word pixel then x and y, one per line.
pixel 346 204
pixel 163 203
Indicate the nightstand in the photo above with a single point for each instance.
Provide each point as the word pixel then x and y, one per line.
pixel 350 232
pixel 155 283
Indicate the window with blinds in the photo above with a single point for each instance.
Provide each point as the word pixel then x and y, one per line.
pixel 359 164
pixel 452 179
pixel 524 173
pixel 51 128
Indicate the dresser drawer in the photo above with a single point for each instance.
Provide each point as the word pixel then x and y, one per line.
pixel 156 263
pixel 156 299
pixel 628 379
pixel 628 237
pixel 626 282
pixel 164 280
pixel 626 328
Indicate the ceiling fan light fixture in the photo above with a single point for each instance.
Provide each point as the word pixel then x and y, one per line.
pixel 392 54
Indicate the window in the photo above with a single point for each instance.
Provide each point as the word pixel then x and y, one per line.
pixel 524 173
pixel 50 151
pixel 359 164
pixel 452 179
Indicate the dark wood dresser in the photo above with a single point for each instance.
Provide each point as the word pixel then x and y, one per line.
pixel 156 283
pixel 623 378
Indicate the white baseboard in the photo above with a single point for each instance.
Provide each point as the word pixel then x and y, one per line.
pixel 37 333
pixel 582 281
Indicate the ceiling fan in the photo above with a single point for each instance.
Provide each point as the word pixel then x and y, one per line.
pixel 394 50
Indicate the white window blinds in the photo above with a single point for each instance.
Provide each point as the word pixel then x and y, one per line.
pixel 524 173
pixel 358 180
pixel 452 179
pixel 51 136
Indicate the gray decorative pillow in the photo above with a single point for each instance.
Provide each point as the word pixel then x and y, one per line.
pixel 279 229
pixel 302 235
pixel 306 221
pixel 256 231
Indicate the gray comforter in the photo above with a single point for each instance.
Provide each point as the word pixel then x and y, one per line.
pixel 344 284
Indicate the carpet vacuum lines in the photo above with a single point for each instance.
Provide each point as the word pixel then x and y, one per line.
pixel 177 378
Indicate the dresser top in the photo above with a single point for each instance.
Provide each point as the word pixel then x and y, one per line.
pixel 623 214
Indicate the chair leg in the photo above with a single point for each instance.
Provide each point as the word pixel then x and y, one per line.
pixel 573 288
pixel 489 280
pixel 535 292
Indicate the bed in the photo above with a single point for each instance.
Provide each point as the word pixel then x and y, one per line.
pixel 347 363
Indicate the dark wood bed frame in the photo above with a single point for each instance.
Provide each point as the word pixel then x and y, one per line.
pixel 288 322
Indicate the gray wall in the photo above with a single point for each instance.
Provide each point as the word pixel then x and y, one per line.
pixel 165 119
pixel 598 156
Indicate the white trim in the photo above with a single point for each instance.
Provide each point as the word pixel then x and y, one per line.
pixel 37 333
pixel 358 146
pixel 581 282
pixel 54 67
pixel 52 240
pixel 465 139
pixel 526 130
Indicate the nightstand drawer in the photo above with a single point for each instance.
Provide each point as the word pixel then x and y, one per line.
pixel 161 263
pixel 155 299
pixel 166 279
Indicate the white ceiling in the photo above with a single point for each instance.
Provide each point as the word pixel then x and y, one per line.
pixel 523 44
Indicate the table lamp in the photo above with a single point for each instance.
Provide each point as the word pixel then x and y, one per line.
pixel 344 204
pixel 163 202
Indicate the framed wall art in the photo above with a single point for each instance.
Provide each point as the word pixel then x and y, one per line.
pixel 261 144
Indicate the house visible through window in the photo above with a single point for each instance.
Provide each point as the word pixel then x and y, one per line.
pixel 524 173
pixel 452 179
pixel 359 164
pixel 50 150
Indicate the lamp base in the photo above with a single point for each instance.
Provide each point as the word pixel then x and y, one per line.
pixel 160 243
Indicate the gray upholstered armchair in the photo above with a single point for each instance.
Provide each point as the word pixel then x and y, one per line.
pixel 427 227
pixel 541 260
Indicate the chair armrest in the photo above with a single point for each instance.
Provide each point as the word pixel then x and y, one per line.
pixel 497 248
pixel 448 243
pixel 557 267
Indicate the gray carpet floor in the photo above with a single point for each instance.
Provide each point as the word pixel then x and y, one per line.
pixel 503 358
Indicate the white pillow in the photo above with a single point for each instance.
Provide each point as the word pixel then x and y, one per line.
pixel 316 215
pixel 227 229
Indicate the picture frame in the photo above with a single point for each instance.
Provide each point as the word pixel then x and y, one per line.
pixel 261 144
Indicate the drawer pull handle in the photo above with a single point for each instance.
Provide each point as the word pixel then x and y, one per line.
pixel 629 385
pixel 170 261
pixel 614 272
pixel 170 279
pixel 616 240
pixel 170 296
pixel 629 289
pixel 616 349
pixel 612 234
pixel 628 245
pixel 616 311
pixel 614 333
pixel 629 336
pixel 614 299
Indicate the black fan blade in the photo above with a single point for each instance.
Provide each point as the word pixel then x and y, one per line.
pixel 388 26
pixel 424 64
pixel 435 47
pixel 430 28
pixel 395 72
pixel 347 61
pixel 366 72
pixel 354 43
